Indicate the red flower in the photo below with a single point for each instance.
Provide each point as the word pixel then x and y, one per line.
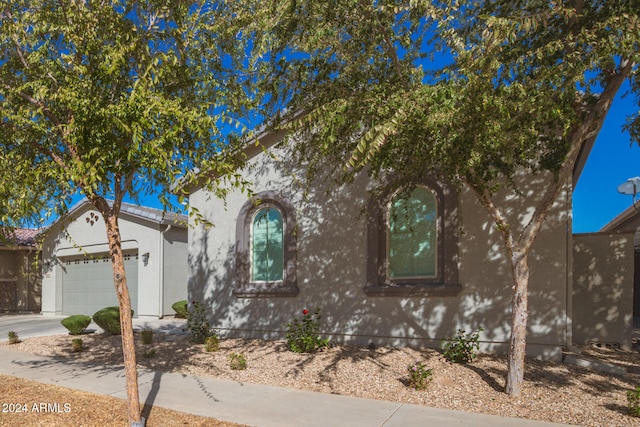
pixel 305 311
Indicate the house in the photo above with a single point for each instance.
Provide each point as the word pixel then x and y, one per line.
pixel 77 276
pixel 607 282
pixel 20 271
pixel 353 253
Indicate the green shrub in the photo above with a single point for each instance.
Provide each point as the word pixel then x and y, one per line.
pixel 212 343
pixel 13 337
pixel 76 345
pixel 76 324
pixel 237 361
pixel 109 319
pixel 419 375
pixel 462 349
pixel 197 323
pixel 146 336
pixel 302 336
pixel 633 400
pixel 181 309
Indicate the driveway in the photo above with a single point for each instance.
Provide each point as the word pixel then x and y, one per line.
pixel 36 325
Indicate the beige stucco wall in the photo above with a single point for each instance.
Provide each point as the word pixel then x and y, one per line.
pixel 603 288
pixel 331 269
pixel 76 236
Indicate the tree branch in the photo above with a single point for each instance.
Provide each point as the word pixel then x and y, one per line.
pixel 392 52
pixel 588 128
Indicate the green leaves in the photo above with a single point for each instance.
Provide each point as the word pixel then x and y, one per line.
pixel 114 98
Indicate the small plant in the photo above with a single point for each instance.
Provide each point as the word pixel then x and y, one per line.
pixel 633 400
pixel 302 336
pixel 76 345
pixel 109 319
pixel 76 324
pixel 146 336
pixel 462 349
pixel 419 375
pixel 237 361
pixel 197 323
pixel 13 337
pixel 212 343
pixel 149 354
pixel 180 307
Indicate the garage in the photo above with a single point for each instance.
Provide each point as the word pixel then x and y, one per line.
pixel 87 283
pixel 77 277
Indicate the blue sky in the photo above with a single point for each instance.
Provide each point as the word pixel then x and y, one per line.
pixel 613 160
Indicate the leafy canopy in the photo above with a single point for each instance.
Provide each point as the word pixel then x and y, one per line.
pixel 113 98
pixel 517 80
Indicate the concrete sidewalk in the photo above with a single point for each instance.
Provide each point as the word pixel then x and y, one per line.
pixel 256 405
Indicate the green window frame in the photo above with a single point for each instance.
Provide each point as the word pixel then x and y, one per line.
pixel 412 238
pixel 267 245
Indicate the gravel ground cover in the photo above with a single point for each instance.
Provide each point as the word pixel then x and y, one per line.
pixel 68 407
pixel 553 392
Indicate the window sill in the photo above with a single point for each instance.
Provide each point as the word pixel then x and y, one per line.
pixel 413 290
pixel 266 292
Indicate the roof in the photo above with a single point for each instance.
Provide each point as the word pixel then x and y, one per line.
pixel 626 221
pixel 157 216
pixel 20 237
pixel 263 140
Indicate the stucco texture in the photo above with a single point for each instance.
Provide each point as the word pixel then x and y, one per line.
pixel 331 242
pixel 603 289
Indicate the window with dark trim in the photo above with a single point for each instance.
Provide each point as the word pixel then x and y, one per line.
pixel 412 242
pixel 266 248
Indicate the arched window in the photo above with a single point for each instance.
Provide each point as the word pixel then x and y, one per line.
pixel 266 248
pixel 412 241
pixel 267 245
pixel 412 246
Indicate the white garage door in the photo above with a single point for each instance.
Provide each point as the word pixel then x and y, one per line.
pixel 87 284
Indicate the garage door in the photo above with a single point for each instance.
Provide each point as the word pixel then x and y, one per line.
pixel 87 284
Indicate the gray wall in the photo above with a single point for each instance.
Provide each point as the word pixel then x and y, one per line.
pixel 331 273
pixel 603 288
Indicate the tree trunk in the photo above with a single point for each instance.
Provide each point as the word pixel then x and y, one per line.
pixel 519 315
pixel 126 323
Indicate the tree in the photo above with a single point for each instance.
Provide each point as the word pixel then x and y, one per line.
pixel 526 84
pixel 113 100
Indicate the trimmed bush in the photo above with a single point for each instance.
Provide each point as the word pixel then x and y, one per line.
pixel 180 307
pixel 76 324
pixel 109 319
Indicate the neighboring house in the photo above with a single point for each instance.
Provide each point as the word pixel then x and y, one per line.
pixel 394 269
pixel 20 285
pixel 607 282
pixel 77 276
